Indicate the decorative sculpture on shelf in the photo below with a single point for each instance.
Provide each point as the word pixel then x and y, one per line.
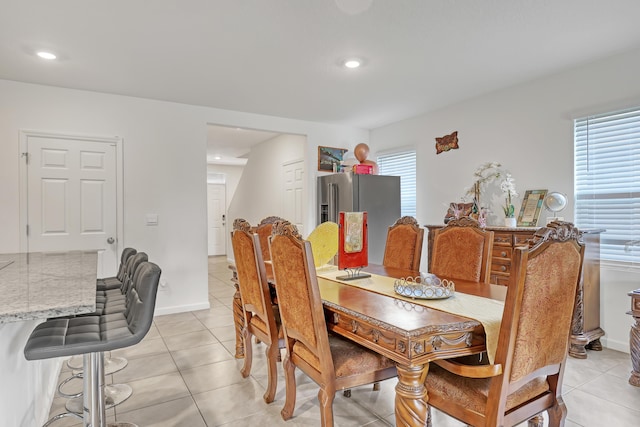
pixel 361 152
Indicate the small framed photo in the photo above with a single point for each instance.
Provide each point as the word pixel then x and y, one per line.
pixel 329 158
pixel 530 209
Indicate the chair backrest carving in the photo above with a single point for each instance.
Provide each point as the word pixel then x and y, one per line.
pixel 403 248
pixel 264 231
pixel 462 250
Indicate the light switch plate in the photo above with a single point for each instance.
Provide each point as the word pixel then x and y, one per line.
pixel 152 219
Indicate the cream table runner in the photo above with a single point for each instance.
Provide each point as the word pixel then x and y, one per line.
pixel 484 310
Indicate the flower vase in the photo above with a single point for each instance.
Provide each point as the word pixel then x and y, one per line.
pixel 510 222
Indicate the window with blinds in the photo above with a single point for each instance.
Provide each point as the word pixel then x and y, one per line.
pixel 607 182
pixel 402 164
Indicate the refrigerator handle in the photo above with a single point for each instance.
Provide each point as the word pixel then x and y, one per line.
pixel 333 202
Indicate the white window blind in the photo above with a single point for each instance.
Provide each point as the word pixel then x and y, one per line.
pixel 402 164
pixel 607 182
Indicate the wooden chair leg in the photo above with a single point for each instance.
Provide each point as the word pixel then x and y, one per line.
pixel 325 397
pixel 290 387
pixel 376 386
pixel 248 353
pixel 557 414
pixel 272 380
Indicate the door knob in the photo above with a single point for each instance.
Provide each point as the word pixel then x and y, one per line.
pixel 110 240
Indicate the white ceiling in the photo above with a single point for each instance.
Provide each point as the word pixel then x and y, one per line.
pixel 282 57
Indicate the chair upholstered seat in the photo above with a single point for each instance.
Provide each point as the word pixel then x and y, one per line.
pixel 474 392
pixel 349 358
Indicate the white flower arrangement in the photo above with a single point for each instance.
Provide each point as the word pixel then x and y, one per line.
pixel 484 175
pixel 508 187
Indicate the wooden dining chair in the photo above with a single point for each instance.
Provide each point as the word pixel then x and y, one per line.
pixel 333 362
pixel 526 378
pixel 462 250
pixel 261 317
pixel 403 248
pixel 263 230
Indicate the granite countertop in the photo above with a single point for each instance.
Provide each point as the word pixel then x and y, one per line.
pixel 41 285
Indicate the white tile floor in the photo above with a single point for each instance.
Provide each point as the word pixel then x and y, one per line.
pixel 184 374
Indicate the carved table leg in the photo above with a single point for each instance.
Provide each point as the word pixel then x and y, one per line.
pixel 238 321
pixel 411 396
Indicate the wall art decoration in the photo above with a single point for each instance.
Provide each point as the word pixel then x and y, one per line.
pixel 329 158
pixel 447 142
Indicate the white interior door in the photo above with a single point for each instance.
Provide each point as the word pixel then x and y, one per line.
pixel 216 212
pixel 293 192
pixel 71 198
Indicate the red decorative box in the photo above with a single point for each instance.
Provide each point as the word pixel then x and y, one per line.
pixel 363 169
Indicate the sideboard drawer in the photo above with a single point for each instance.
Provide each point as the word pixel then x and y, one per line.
pixel 501 252
pixel 520 239
pixel 502 239
pixel 499 265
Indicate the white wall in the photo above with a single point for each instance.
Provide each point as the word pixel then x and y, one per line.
pixel 529 129
pixel 259 192
pixel 164 173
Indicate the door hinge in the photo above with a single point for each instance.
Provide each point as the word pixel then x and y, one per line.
pixel 27 229
pixel 26 157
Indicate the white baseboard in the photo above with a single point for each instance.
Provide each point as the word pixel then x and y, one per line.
pixel 182 308
pixel 617 345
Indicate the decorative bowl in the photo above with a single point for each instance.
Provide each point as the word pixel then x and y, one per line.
pixel 425 286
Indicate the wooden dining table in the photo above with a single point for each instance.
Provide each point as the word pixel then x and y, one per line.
pixel 409 333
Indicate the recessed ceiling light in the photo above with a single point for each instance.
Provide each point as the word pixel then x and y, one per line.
pixel 46 55
pixel 217 158
pixel 352 63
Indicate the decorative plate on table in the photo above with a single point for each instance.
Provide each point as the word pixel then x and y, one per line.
pixel 425 286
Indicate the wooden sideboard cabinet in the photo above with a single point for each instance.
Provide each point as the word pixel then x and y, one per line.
pixel 586 331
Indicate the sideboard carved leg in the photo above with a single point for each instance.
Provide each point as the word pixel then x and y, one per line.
pixel 634 344
pixel 634 338
pixel 595 345
pixel 578 347
pixel 411 396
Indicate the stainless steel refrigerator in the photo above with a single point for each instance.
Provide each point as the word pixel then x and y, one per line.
pixel 378 195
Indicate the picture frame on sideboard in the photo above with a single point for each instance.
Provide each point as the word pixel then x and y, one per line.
pixel 530 209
